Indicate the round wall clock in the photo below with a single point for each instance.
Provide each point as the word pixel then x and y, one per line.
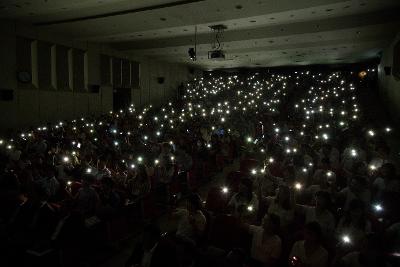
pixel 24 77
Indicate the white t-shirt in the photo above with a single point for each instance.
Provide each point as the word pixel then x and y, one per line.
pixel 318 259
pixel 263 251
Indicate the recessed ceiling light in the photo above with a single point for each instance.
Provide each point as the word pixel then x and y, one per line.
pixel 238 7
pixel 252 21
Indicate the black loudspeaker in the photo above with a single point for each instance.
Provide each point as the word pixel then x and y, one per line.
pixel 94 88
pixel 6 95
pixel 160 80
pixel 388 70
pixel 191 71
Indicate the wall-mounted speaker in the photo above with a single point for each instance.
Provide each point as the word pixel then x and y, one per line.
pixel 6 95
pixel 94 88
pixel 160 80
pixel 388 70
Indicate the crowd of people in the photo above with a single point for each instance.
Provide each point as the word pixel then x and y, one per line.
pixel 316 184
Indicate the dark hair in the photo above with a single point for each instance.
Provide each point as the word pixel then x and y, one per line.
pixel 315 228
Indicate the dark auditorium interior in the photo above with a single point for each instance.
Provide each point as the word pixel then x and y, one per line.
pixel 200 133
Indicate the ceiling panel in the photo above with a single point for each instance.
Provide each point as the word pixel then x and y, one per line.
pixel 259 32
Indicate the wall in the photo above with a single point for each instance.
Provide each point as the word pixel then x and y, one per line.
pixel 389 86
pixel 153 92
pixel 37 105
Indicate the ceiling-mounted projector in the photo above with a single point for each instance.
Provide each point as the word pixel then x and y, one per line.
pixel 216 55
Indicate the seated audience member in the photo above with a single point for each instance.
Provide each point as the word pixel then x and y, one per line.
pixel 264 184
pixel 103 171
pixel 138 182
pixel 86 199
pixel 322 180
pixel 110 200
pixel 352 154
pixel 369 255
pixel 183 159
pixel 244 204
pixel 266 245
pixel 331 154
pixel 357 189
pixel 309 252
pixel 354 223
pixel 48 181
pixel 152 251
pixel 386 180
pixel 192 221
pixel 283 206
pixel 320 213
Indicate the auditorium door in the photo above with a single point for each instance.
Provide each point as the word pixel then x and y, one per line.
pixel 121 98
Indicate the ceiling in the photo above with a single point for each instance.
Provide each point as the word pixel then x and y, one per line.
pixel 259 32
